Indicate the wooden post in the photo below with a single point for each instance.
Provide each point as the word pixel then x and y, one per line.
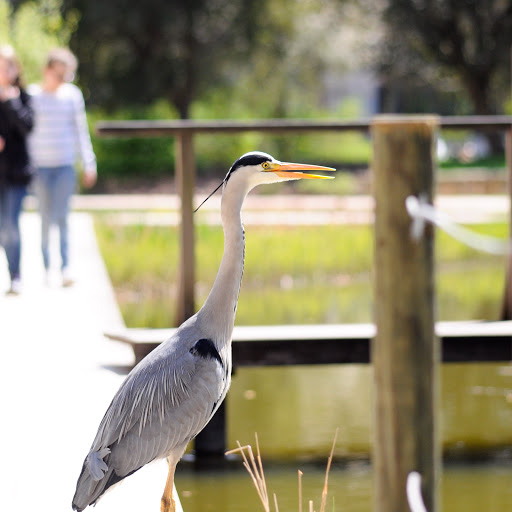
pixel 211 443
pixel 404 352
pixel 185 177
pixel 506 310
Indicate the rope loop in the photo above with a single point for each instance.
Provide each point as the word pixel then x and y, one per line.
pixel 422 212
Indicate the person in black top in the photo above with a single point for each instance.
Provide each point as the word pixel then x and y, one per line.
pixel 16 121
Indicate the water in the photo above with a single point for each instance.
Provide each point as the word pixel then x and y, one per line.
pixel 464 488
pixel 350 489
pixel 296 410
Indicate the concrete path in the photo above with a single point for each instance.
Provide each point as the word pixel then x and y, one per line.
pixel 293 209
pixel 286 209
pixel 55 381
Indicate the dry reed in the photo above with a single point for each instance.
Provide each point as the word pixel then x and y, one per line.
pixel 254 467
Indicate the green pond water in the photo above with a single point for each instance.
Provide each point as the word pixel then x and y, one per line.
pixel 296 410
pixel 463 488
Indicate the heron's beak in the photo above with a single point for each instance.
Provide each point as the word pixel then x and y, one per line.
pixel 290 170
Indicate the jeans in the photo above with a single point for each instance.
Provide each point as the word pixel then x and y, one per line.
pixel 54 187
pixel 11 198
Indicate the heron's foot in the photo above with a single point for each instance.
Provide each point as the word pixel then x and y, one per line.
pixel 167 504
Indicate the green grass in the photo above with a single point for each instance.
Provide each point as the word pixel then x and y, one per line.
pixel 292 274
pixel 490 163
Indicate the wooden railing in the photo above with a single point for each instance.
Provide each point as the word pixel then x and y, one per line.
pixel 404 352
pixel 183 132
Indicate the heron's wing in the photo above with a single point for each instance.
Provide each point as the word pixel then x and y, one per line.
pixel 164 402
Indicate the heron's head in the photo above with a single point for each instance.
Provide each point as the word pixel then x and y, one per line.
pixel 258 168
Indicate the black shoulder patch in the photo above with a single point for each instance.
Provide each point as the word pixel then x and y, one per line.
pixel 207 350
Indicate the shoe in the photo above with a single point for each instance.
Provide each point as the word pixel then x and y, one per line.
pixel 15 288
pixel 67 279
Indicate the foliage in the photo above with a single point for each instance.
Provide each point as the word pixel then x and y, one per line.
pixel 134 157
pixel 120 54
pixel 446 42
pixel 277 58
pixel 180 50
pixel 33 29
pixel 490 163
pixel 334 148
pixel 508 106
pixel 292 274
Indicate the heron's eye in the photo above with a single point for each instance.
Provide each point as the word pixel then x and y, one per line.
pixel 265 165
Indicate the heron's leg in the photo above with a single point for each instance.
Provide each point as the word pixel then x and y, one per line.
pixel 167 502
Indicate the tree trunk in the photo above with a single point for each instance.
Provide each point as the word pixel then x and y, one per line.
pixel 478 87
pixel 183 108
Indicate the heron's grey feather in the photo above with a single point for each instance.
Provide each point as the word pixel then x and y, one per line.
pixel 97 466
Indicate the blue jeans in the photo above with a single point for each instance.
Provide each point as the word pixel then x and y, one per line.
pixel 11 198
pixel 54 187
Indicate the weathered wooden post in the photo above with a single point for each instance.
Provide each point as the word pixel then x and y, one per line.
pixel 211 442
pixel 404 353
pixel 185 177
pixel 506 311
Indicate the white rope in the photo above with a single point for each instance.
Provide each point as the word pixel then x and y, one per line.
pixel 413 489
pixel 421 212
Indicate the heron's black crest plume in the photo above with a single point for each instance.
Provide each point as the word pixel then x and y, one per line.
pixel 211 194
pixel 252 158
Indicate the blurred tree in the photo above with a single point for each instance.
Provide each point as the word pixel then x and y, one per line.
pixel 136 52
pixel 445 40
pixel 32 28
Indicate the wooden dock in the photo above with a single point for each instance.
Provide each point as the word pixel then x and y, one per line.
pixel 281 345
pixel 285 345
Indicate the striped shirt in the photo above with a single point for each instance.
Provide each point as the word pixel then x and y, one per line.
pixel 60 135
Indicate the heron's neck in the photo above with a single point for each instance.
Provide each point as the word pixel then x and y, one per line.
pixel 219 309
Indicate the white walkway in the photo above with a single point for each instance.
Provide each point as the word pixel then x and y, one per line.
pixel 293 209
pixel 54 387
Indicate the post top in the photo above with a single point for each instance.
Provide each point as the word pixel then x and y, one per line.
pixel 406 120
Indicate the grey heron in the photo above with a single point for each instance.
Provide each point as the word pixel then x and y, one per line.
pixel 169 397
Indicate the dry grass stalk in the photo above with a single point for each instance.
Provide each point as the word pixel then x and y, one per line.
pixel 260 465
pixel 254 467
pixel 275 503
pixel 300 490
pixel 326 481
pixel 255 470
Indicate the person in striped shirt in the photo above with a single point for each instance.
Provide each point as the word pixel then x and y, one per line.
pixel 59 139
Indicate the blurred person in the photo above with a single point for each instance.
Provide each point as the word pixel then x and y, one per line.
pixel 59 138
pixel 16 120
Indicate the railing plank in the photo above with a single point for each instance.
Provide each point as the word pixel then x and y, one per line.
pixel 141 128
pixel 461 342
pixel 166 128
